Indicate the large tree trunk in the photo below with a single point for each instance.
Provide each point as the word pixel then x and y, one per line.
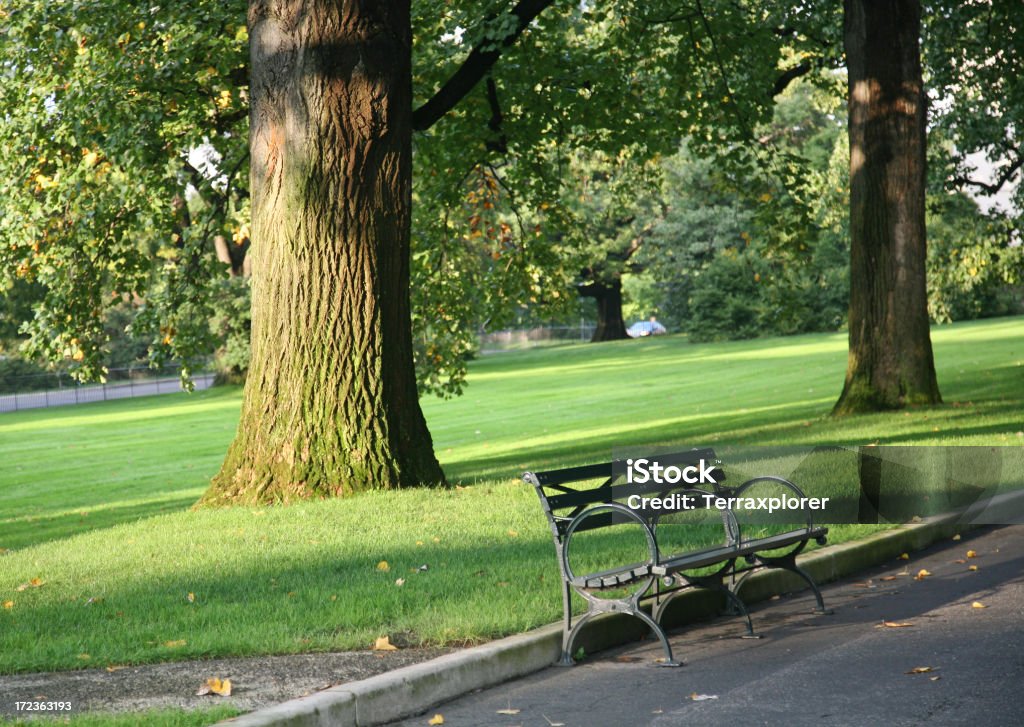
pixel 890 362
pixel 610 324
pixel 330 404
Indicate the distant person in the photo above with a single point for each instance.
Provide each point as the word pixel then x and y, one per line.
pixel 646 328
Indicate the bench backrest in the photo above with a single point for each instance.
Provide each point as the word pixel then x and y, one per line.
pixel 565 493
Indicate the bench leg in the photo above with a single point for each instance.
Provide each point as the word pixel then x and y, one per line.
pixel 569 637
pixel 788 562
pixel 669 659
pixel 736 605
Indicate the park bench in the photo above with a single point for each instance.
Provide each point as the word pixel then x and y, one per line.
pixel 598 497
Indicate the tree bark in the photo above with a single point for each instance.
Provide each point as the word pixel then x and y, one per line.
pixel 330 404
pixel 610 324
pixel 890 361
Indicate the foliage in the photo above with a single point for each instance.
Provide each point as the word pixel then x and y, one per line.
pixel 974 270
pixel 230 325
pixel 104 106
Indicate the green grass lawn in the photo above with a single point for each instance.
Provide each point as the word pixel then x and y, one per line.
pixel 94 499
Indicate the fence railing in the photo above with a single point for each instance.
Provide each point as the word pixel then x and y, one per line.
pixel 518 338
pixel 59 389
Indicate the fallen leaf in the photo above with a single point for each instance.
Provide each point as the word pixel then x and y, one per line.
pixel 961 561
pixel 627 659
pixel 383 566
pixel 8 605
pixel 978 604
pixel 920 670
pixel 956 537
pixel 971 554
pixel 887 578
pixel 436 719
pixel 422 568
pixel 921 575
pixel 904 556
pixel 384 644
pixel 513 534
pixel 509 711
pixel 399 582
pixel 702 697
pixel 84 657
pixel 865 584
pixel 436 539
pixel 115 667
pixel 972 567
pixel 175 644
pixel 34 583
pixel 553 724
pixel 191 597
pixel 894 625
pixel 215 685
pixel 934 679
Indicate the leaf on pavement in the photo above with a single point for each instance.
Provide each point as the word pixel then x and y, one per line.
pixel 956 537
pixel 510 710
pixel 978 604
pixel 436 719
pixel 920 670
pixel 921 575
pixel 384 644
pixel 702 697
pixel 215 685
pixel 971 554
pixel 553 724
pixel 972 567
pixel 894 625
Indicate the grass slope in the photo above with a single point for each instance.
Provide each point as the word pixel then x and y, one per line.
pixel 94 498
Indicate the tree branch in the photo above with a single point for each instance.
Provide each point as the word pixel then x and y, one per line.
pixel 788 76
pixel 994 187
pixel 480 60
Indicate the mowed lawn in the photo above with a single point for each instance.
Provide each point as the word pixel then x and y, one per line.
pixel 95 520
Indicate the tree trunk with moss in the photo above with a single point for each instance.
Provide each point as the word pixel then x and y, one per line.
pixel 890 361
pixel 330 404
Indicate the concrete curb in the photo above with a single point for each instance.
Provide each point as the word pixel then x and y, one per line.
pixel 413 689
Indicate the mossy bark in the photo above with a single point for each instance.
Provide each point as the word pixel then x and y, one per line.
pixel 890 361
pixel 330 404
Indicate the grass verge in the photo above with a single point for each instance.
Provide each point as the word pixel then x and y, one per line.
pixel 116 570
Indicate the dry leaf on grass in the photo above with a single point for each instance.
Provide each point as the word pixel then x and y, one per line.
pixel 894 625
pixel 215 685
pixel 34 583
pixel 920 670
pixel 383 566
pixel 8 605
pixel 384 644
pixel 436 719
pixel 175 644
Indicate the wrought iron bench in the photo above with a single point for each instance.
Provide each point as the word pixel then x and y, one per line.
pixel 574 504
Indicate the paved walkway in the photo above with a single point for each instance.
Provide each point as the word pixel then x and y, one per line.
pixel 844 669
pixel 99 392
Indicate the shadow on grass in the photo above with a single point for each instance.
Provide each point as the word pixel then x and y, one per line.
pixel 21 532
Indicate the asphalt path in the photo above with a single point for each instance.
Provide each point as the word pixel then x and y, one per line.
pixel 939 649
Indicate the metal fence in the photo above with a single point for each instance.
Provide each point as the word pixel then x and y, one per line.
pixel 59 389
pixel 518 338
